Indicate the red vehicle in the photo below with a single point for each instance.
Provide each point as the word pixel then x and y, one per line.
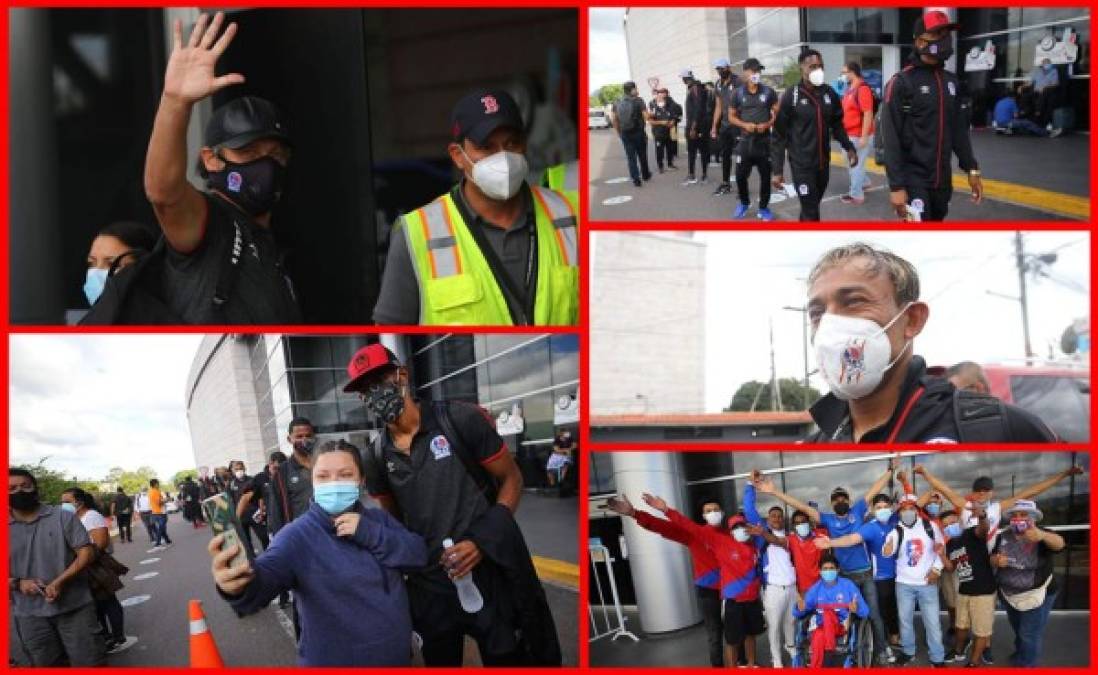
pixel 1059 395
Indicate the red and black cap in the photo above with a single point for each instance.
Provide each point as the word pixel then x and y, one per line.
pixel 244 120
pixel 369 359
pixel 481 112
pixel 934 19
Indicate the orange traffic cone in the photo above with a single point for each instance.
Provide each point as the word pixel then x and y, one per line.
pixel 204 652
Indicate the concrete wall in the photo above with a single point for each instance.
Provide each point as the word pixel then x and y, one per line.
pixel 647 323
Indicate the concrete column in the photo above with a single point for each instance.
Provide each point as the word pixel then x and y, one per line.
pixel 663 576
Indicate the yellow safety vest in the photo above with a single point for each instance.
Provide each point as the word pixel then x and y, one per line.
pixel 458 287
pixel 564 178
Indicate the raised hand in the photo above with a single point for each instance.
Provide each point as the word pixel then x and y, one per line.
pixel 620 505
pixel 920 469
pixel 655 502
pixel 190 75
pixel 765 485
pixel 822 543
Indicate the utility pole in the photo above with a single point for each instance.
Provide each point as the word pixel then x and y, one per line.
pixel 804 341
pixel 1020 261
pixel 775 393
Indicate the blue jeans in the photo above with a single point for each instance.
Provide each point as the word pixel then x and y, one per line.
pixel 636 154
pixel 868 588
pixel 857 173
pixel 926 597
pixel 1029 630
pixel 160 527
pixel 1028 127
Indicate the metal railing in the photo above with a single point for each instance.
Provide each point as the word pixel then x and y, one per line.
pixel 597 553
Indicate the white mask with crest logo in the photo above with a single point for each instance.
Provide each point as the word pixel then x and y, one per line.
pixel 853 353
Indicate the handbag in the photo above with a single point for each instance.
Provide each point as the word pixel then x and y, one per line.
pixel 103 574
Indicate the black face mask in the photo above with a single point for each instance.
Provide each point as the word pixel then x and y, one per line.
pixel 304 446
pixel 940 49
pixel 724 73
pixel 386 400
pixel 253 186
pixel 842 508
pixel 24 501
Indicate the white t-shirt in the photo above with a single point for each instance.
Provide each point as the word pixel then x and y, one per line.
pixel 779 566
pixel 94 520
pixel 143 503
pixel 994 517
pixel 917 555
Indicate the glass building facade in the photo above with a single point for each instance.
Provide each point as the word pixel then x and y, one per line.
pixel 810 476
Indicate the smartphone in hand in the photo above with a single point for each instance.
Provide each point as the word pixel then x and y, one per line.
pixel 220 512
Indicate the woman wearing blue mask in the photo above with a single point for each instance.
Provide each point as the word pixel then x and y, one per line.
pixel 115 246
pixel 343 562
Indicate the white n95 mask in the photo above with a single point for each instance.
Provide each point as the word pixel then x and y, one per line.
pixel 816 77
pixel 853 353
pixel 714 518
pixel 499 176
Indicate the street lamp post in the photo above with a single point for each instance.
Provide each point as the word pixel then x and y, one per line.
pixel 804 340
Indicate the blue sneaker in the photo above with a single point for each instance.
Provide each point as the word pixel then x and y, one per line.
pixel 765 214
pixel 741 211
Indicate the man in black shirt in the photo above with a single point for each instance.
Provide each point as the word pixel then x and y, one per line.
pixel 754 109
pixel 865 311
pixel 663 116
pixel 722 131
pixel 122 509
pixel 810 114
pixel 445 472
pixel 245 491
pixel 629 117
pixel 968 557
pixel 699 118
pixel 290 489
pixel 924 122
pixel 244 161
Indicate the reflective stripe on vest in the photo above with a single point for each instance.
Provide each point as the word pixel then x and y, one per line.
pixel 441 243
pixel 564 222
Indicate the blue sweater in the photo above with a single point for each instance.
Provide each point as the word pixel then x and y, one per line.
pixel 349 592
pixel 842 591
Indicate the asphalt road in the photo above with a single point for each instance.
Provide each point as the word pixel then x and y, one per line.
pixel 614 198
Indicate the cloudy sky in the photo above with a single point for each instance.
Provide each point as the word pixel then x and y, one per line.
pixel 92 402
pixel 609 62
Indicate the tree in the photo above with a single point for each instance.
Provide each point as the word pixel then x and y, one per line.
pixel 133 481
pixel 52 483
pixel 792 395
pixel 606 94
pixel 180 476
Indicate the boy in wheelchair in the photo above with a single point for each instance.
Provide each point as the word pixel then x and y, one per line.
pixel 831 616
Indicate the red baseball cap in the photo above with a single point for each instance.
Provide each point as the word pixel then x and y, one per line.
pixel 933 19
pixel 367 360
pixel 735 520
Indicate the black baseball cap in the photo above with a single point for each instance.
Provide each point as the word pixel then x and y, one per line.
pixel 753 64
pixel 244 120
pixel 982 484
pixel 934 19
pixel 481 112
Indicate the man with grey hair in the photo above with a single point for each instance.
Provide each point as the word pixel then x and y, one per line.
pixel 865 310
pixel 969 376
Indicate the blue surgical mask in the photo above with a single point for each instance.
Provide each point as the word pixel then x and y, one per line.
pixel 740 534
pixel 335 496
pixel 94 284
pixel 68 506
pixel 803 530
pixel 882 515
pixel 933 508
pixel 829 575
pixel 953 531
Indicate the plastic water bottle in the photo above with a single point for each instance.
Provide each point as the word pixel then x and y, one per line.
pixel 468 593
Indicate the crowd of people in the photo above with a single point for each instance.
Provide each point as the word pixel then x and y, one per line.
pixel 805 580
pixel 1028 109
pixel 743 121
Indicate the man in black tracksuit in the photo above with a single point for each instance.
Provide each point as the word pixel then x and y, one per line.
pixel 809 114
pixel 754 108
pixel 924 121
pixel 699 119
pixel 722 131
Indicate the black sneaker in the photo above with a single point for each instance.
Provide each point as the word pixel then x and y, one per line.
pixel 637 182
pixel 672 167
pixel 937 665
pixel 722 189
pixel 986 658
pixel 903 659
pixel 951 655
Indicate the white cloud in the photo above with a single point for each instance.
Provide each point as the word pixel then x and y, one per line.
pixel 92 402
pixel 608 58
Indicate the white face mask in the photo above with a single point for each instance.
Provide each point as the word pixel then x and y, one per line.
pixel 816 77
pixel 239 474
pixel 499 176
pixel 853 353
pixel 714 518
pixel 740 534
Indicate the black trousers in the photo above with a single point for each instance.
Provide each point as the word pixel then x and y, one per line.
pixel 886 602
pixel 709 599
pixel 694 148
pixel 665 147
pixel 250 526
pixel 109 611
pixel 934 202
pixel 125 531
pixel 811 185
pixel 726 139
pixel 443 625
pixel 744 164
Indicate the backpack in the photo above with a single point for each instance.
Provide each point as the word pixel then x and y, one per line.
pixel 629 116
pixel 900 535
pixel 876 100
pixel 135 294
pixel 980 418
pixel 485 482
pixel 878 135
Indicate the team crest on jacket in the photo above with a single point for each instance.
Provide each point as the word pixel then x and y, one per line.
pixel 440 447
pixel 827 99
pixel 491 106
pixel 924 89
pixel 952 89
pixel 853 362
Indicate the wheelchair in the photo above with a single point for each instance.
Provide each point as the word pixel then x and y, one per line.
pixel 853 649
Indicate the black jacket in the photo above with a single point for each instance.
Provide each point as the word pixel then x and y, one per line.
pixel 699 109
pixel 499 538
pixel 934 417
pixel 924 122
pixel 670 111
pixel 808 118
